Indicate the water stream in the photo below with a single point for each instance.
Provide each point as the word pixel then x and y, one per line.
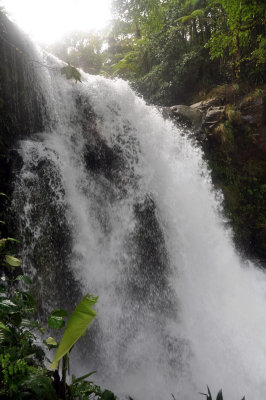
pixel 114 200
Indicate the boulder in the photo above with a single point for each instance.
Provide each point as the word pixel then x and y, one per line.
pixel 205 104
pixel 253 110
pixel 213 116
pixel 253 113
pixel 188 115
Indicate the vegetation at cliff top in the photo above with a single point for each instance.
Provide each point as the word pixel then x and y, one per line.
pixel 171 50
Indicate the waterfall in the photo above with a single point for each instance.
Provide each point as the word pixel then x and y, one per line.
pixel 114 200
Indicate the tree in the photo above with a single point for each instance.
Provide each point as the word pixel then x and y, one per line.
pixel 82 50
pixel 240 26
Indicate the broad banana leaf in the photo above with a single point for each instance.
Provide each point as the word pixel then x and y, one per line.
pixel 77 324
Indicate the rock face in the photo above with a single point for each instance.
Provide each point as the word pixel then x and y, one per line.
pixel 214 115
pixel 22 114
pixel 20 103
pixel 254 110
pixel 253 113
pixel 204 115
pixel 233 139
pixel 188 115
pixel 205 104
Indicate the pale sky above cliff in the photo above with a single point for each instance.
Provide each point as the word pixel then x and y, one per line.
pixel 48 20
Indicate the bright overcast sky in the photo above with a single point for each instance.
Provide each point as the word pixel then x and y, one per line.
pixel 48 20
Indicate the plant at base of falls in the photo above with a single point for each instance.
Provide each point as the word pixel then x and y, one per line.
pixel 22 371
pixel 71 73
pixel 23 374
pixel 219 395
pixel 76 327
pixel 82 389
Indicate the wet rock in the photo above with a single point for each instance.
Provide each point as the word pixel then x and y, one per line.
pixel 102 159
pixel 150 267
pixel 253 113
pixel 21 104
pixel 260 243
pixel 214 116
pixel 46 235
pixel 188 115
pixel 232 137
pixel 205 104
pixel 21 100
pixel 254 110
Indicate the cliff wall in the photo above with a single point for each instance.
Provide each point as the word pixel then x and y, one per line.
pixel 20 100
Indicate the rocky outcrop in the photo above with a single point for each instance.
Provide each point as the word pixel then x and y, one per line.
pixel 202 116
pixel 205 104
pixel 22 114
pixel 20 102
pixel 253 110
pixel 214 115
pixel 190 116
pixel 253 114
pixel 233 137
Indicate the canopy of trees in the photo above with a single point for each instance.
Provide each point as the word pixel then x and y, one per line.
pixel 171 49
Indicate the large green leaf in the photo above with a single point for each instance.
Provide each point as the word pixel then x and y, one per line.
pixel 108 395
pixel 219 395
pixel 2 244
pixel 4 331
pixel 208 396
pixel 3 327
pixel 81 378
pixel 77 324
pixel 56 319
pixel 24 278
pixel 9 239
pixel 13 261
pixel 8 306
pixel 50 342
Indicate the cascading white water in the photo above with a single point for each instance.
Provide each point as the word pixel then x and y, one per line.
pixel 184 312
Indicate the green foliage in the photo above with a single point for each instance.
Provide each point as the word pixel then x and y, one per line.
pixel 71 73
pixel 12 261
pixel 82 50
pixel 77 324
pixel 164 57
pixel 259 54
pixel 82 389
pixel 23 374
pixel 56 319
pixel 165 45
pixel 219 395
pixel 238 31
pixel 170 50
pixel 50 342
pixel 5 257
pixel 239 170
